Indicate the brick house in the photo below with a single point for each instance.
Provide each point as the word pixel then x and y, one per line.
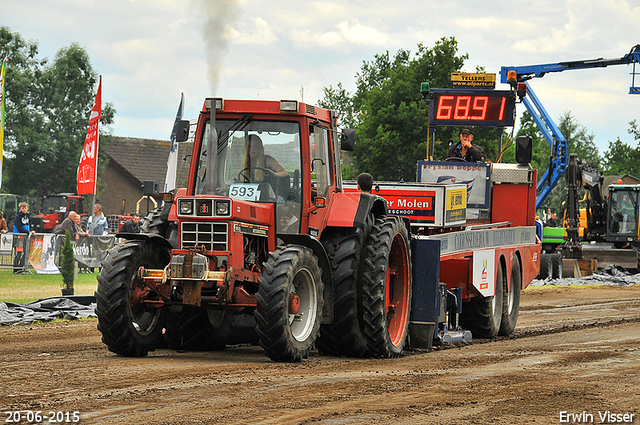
pixel 132 162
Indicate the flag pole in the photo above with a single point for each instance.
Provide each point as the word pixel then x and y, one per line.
pixel 95 181
pixel 2 116
pixel 172 161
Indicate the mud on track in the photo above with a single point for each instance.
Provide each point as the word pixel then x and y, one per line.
pixel 576 350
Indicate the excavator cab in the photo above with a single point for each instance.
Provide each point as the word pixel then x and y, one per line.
pixel 623 214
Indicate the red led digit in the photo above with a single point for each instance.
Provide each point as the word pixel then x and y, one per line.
pixel 444 111
pixel 462 108
pixel 504 101
pixel 480 105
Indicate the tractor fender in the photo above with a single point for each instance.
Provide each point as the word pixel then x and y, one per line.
pixel 325 266
pixel 374 204
pixel 152 238
pixel 350 210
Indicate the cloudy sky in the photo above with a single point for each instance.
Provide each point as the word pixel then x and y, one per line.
pixel 150 51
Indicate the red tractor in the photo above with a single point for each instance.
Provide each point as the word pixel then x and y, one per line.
pixel 263 228
pixel 54 209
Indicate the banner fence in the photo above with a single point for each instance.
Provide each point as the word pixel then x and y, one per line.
pixel 41 251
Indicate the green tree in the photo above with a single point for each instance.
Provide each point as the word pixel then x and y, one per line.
pixel 340 100
pixel 621 158
pixel 579 141
pixel 634 130
pixel 47 114
pixel 391 114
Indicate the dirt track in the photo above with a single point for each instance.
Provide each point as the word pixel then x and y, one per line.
pixel 575 350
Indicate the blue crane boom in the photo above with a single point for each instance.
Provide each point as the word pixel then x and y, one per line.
pixel 553 135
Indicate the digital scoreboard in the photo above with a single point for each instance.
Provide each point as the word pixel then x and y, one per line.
pixel 472 107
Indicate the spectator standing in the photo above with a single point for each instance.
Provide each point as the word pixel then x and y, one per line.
pixel 100 226
pixel 21 224
pixel 552 221
pixel 132 225
pixel 3 223
pixel 72 224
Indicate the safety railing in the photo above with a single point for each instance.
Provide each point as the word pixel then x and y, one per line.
pixel 41 251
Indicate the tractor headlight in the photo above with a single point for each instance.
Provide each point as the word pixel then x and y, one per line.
pixel 223 207
pixel 186 207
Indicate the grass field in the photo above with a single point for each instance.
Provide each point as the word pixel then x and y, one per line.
pixel 24 288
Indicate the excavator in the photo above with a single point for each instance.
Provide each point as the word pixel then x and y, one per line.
pixel 609 236
pixel 518 76
pixel 609 232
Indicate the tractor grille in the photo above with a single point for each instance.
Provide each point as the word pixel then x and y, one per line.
pixel 113 222
pixel 211 235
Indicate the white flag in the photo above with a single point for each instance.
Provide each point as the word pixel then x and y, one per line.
pixel 172 162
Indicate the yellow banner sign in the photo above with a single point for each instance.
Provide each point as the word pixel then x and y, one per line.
pixel 473 80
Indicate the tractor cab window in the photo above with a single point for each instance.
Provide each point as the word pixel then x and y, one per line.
pixel 320 175
pixel 256 161
pixel 51 204
pixel 76 206
pixel 624 211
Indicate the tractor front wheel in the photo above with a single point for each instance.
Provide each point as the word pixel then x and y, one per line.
pixel 290 303
pixel 129 327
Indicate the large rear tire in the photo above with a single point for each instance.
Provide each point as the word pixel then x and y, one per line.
pixel 345 336
pixel 129 327
pixel 290 303
pixel 386 290
pixel 511 303
pixel 198 329
pixel 483 316
pixel 155 222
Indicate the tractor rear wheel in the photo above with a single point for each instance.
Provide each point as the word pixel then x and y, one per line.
pixel 129 327
pixel 197 329
pixel 483 316
pixel 511 300
pixel 387 288
pixel 290 303
pixel 345 336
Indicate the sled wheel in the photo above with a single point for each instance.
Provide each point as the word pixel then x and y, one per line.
pixel 289 303
pixel 197 329
pixel 556 266
pixel 545 266
pixel 129 327
pixel 386 288
pixel 482 316
pixel 511 303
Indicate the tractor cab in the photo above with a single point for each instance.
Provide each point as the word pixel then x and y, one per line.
pixel 253 152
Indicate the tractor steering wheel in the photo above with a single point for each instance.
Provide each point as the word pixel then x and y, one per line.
pixel 455 159
pixel 246 179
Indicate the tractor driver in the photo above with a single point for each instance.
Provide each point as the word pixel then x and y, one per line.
pixel 466 149
pixel 256 165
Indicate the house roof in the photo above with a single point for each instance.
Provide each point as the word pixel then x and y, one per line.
pixel 143 159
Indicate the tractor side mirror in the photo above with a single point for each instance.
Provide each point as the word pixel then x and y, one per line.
pixel 182 131
pixel 348 140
